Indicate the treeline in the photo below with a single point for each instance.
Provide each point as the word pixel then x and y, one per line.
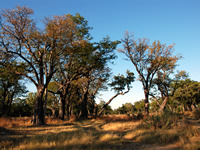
pixel 68 69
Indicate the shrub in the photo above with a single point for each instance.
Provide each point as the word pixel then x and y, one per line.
pixel 165 120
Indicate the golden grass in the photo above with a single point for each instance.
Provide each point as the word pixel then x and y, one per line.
pixel 102 133
pixel 15 122
pixel 120 126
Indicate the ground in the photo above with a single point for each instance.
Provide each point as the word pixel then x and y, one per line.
pixel 108 132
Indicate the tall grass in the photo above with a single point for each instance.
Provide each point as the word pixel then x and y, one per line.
pixel 158 131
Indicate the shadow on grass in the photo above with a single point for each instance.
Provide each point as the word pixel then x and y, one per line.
pixel 87 135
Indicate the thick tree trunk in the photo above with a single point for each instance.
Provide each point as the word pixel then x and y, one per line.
pixel 45 102
pixel 84 112
pixel 39 108
pixel 62 107
pixel 164 103
pixel 68 109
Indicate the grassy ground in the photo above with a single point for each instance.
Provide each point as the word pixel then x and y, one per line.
pixel 107 132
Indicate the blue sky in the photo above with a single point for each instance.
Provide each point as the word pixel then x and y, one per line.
pixel 169 21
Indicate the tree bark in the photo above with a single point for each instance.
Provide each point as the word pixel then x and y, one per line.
pixel 62 107
pixel 84 112
pixel 38 118
pixel 3 105
pixel 164 103
pixel 146 102
pixel 104 106
pixel 45 102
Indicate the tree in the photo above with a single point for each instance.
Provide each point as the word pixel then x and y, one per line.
pixel 148 59
pixel 119 84
pixel 95 68
pixel 167 85
pixel 139 106
pixel 39 49
pixel 126 108
pixel 11 86
pixel 188 94
pixel 107 110
pixel 70 66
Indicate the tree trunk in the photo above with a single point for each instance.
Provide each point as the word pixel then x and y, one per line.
pixel 146 102
pixel 84 112
pixel 95 110
pixel 189 107
pixel 45 102
pixel 3 104
pixel 105 105
pixel 68 109
pixel 194 107
pixel 62 107
pixel 39 108
pixel 53 112
pixel 164 103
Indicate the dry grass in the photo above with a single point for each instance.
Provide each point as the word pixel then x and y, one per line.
pixel 107 132
pixel 15 122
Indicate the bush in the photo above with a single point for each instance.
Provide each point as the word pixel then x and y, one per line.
pixel 165 120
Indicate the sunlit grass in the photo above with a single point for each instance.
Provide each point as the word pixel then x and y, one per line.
pixel 96 134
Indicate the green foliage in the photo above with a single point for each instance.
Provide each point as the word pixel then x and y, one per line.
pixel 154 107
pixel 126 108
pixel 139 106
pixel 188 93
pixel 107 109
pixel 120 82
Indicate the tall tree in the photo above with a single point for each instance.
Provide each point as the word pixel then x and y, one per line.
pixel 70 66
pixel 95 66
pixel 148 59
pixel 40 49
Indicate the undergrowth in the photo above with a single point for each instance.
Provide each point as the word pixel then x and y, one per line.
pixel 165 120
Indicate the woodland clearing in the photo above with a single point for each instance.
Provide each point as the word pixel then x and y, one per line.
pixel 106 132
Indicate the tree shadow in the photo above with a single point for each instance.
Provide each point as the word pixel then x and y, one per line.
pixel 42 134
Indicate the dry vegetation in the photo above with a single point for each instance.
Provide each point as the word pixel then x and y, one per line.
pixel 107 132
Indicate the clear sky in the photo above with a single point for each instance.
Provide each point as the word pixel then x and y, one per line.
pixel 169 21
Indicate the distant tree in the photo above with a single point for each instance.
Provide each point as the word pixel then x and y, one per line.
pixel 11 86
pixel 126 108
pixel 148 59
pixel 166 84
pixel 188 94
pixel 154 107
pixel 139 106
pixel 119 84
pixel 129 108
